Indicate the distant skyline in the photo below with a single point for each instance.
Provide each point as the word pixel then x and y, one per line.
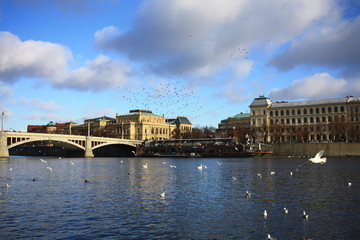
pixel 64 60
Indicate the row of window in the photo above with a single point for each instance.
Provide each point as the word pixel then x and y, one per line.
pixel 305 111
pixel 322 119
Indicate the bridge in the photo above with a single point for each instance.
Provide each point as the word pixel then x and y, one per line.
pixel 88 143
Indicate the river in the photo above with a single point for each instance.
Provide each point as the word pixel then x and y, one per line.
pixel 121 199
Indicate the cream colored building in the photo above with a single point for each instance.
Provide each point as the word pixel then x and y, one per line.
pixel 145 125
pixel 301 121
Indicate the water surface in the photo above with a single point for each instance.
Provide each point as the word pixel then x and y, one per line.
pixel 122 199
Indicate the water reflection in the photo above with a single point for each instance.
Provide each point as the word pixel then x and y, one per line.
pixel 122 199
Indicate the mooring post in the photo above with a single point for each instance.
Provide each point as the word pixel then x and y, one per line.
pixel 4 151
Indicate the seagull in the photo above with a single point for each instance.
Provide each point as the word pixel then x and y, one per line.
pixel 162 195
pixel 234 178
pixel 72 163
pixel 318 157
pixel 10 169
pixel 291 173
pixel 145 165
pixel 259 175
pixel 265 213
pixel 349 184
pixel 172 166
pixel 43 160
pixel 285 210
pixel 270 238
pixel 49 168
pixel 8 186
pixel 272 173
pixel 305 216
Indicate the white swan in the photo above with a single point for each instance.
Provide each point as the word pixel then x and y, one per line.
pixel 162 195
pixel 200 167
pixel 285 210
pixel 305 216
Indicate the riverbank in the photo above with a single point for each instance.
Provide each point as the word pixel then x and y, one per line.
pixel 338 149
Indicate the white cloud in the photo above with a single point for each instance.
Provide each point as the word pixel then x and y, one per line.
pixel 320 85
pixel 31 59
pixel 98 74
pixel 36 103
pixel 198 37
pixel 49 62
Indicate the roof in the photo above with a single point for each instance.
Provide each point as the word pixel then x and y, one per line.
pixel 182 120
pixel 261 101
pixel 101 118
pixel 178 120
pixel 284 104
pixel 140 112
pixel 238 116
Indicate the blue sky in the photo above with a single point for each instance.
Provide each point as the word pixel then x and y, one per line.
pixel 64 60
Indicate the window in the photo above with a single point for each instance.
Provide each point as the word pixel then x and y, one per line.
pixel 322 110
pixel 329 109
pixel 299 120
pixel 298 111
pixel 282 112
pixel 305 120
pixel 271 113
pixel 287 112
pixel 329 119
pixel 305 111
pixel 323 119
pixel 317 119
pixel 311 119
pixel 287 121
pixel 311 111
pixel 336 109
pixel 317 110
pixel 293 121
pixel 293 112
pixel 342 109
pixel 276 113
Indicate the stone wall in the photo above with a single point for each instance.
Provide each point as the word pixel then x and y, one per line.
pixel 339 149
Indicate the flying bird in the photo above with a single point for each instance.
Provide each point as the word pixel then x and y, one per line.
pixel 318 157
pixel 49 168
pixel 162 195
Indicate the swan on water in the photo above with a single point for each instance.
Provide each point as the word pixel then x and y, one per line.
pixel 305 216
pixel 286 210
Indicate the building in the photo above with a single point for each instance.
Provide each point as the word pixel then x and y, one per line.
pixel 96 126
pixel 237 126
pixel 334 119
pixel 51 127
pixel 145 125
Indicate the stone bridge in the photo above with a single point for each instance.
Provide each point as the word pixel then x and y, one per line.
pixel 87 143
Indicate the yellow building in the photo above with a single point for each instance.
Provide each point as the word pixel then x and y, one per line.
pixel 336 119
pixel 145 125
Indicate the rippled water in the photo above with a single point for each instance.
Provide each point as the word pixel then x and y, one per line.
pixel 122 199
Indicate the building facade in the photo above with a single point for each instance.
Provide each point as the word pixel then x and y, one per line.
pixel 237 127
pixel 334 119
pixel 145 125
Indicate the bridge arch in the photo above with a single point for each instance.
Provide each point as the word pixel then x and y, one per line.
pixel 77 146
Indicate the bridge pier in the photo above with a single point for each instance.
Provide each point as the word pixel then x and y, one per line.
pixel 4 151
pixel 88 149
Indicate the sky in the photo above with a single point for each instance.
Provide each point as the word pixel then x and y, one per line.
pixel 65 60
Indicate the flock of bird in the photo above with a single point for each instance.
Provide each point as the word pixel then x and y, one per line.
pixel 169 99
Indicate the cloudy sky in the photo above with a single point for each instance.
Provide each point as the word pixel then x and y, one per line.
pixel 64 60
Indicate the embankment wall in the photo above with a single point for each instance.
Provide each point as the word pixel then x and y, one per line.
pixel 338 149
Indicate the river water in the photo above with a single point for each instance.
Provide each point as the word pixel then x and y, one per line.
pixel 122 198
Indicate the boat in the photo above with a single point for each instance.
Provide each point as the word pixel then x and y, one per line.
pixel 205 147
